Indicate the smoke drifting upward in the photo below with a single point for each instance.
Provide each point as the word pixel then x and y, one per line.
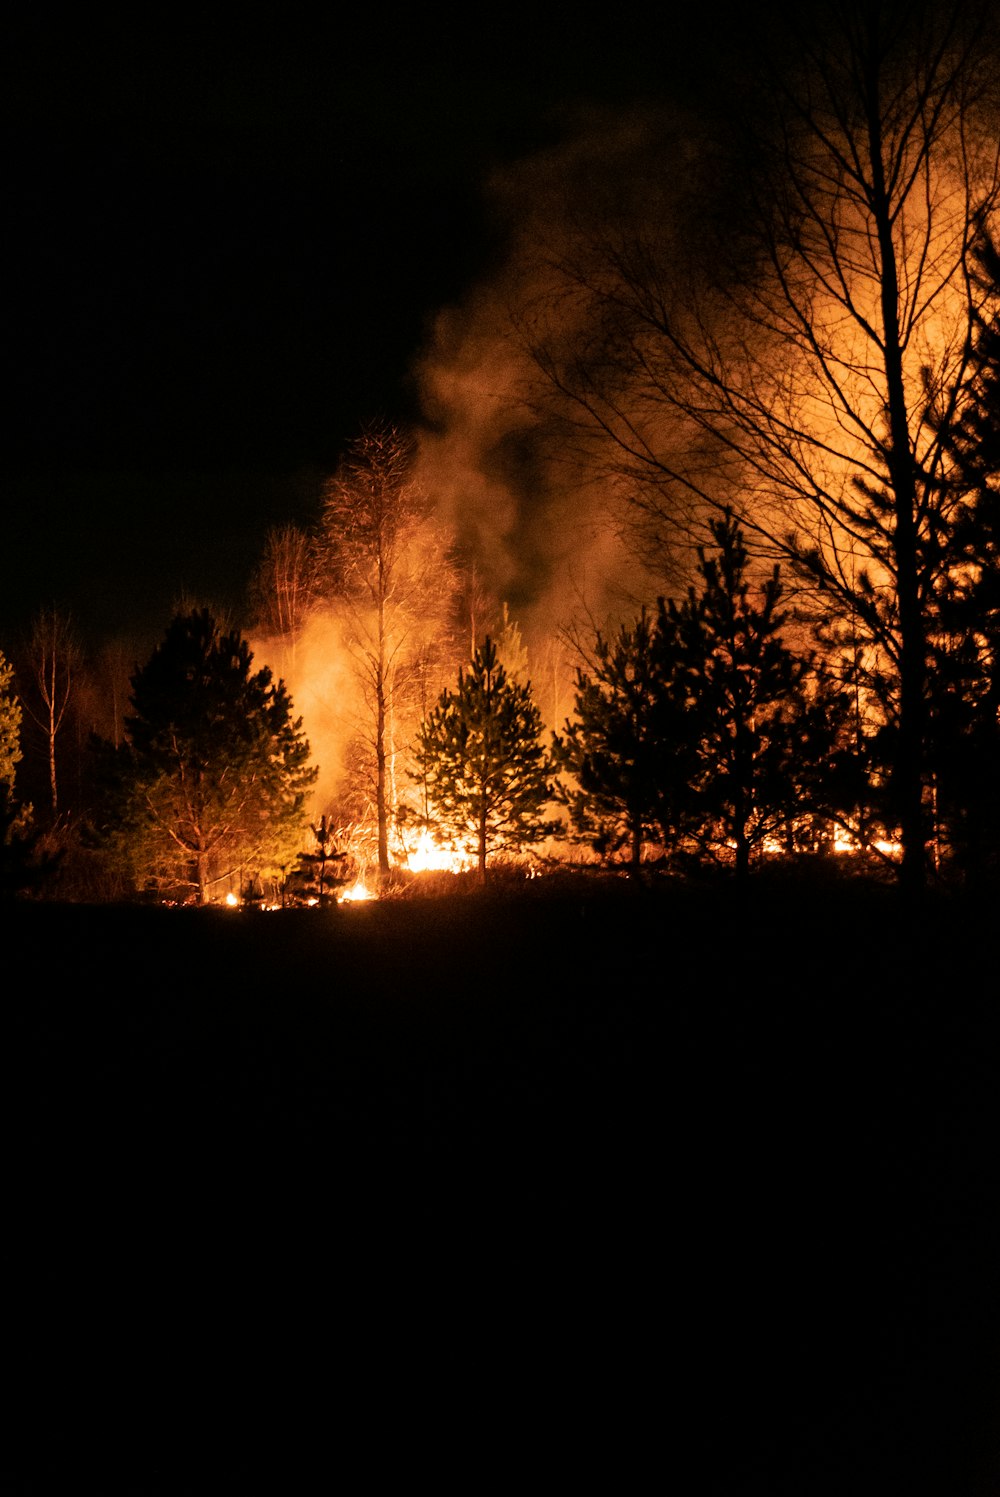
pixel 317 670
pixel 534 497
pixel 537 501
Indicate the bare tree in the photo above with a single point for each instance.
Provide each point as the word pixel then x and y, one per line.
pixel 789 373
pixel 387 561
pixel 53 656
pixel 284 586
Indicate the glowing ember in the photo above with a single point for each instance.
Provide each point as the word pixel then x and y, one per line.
pixel 232 901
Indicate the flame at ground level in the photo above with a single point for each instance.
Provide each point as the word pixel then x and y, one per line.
pixel 355 894
pixel 430 856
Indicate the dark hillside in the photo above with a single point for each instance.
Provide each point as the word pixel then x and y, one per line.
pixel 661 1182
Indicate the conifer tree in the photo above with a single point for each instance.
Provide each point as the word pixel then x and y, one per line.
pixel 767 738
pixel 787 359
pixel 10 723
pixel 964 642
pixel 481 763
pixel 23 865
pixel 628 751
pixel 317 874
pixel 214 777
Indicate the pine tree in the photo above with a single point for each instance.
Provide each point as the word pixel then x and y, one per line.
pixel 964 643
pixel 24 866
pixel 627 752
pixel 10 724
pixel 317 874
pixel 481 763
pixel 214 778
pixel 769 734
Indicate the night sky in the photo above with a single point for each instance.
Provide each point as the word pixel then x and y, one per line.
pixel 228 238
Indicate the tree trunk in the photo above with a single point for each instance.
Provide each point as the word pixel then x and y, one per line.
pixel 909 761
pixel 380 729
pixel 52 751
pixel 482 846
pixel 635 857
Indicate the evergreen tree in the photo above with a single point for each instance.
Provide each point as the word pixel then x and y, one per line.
pixel 964 643
pixel 214 778
pixel 481 764
pixel 783 350
pixel 10 724
pixel 317 875
pixel 24 866
pixel 768 733
pixel 628 752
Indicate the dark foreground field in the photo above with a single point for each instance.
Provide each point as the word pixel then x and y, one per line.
pixel 597 1191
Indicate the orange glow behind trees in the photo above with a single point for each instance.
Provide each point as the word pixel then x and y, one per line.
pixel 788 374
pixel 481 765
pixel 213 782
pixel 388 571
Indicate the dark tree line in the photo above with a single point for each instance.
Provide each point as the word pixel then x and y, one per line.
pixel 701 733
pixel 817 362
pixel 817 391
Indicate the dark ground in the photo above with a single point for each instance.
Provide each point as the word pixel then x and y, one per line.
pixel 568 1191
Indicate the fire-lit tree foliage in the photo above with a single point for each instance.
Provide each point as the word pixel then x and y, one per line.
pixel 701 731
pixel 53 657
pixel 481 766
pixel 789 364
pixel 213 781
pixel 10 724
pixel 387 571
pixel 627 755
pixel 25 866
pixel 772 738
pixel 964 642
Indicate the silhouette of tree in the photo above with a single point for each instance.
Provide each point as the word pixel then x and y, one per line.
pixel 964 643
pixel 791 363
pixel 702 731
pixel 628 753
pixel 771 736
pixel 316 876
pixel 214 778
pixel 26 865
pixel 481 764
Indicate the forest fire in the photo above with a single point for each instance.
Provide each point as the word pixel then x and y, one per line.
pixel 431 856
pixel 358 893
pixel 749 646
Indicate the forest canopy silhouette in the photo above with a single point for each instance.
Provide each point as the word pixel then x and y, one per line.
pixel 727 514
